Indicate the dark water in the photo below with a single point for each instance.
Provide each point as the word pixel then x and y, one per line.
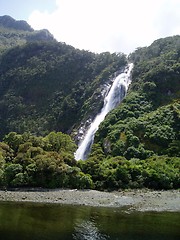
pixel 54 222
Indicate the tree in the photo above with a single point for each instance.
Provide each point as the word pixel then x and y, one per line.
pixel 60 142
pixel 13 140
pixel 11 172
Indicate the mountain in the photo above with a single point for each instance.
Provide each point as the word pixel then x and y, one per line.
pixel 14 33
pixel 147 121
pixel 10 23
pixel 48 87
pixel 138 143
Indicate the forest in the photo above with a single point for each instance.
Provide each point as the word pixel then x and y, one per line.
pixel 48 89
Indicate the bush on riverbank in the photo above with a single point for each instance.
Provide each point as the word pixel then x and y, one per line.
pixel 30 161
pixel 26 160
pixel 157 172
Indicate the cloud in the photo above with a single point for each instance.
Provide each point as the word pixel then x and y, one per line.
pixel 109 25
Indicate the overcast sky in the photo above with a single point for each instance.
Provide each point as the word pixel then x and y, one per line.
pixel 100 25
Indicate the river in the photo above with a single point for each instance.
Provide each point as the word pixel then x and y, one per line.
pixel 33 221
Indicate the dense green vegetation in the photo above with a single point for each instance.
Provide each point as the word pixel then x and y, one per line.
pixel 48 88
pixel 145 128
pixel 30 161
pixel 26 160
pixel 134 131
pixel 148 120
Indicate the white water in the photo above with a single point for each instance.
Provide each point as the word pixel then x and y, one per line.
pixel 115 96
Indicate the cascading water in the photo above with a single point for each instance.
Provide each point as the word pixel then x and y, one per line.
pixel 114 97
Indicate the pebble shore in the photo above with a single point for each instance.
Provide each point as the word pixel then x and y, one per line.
pixel 135 200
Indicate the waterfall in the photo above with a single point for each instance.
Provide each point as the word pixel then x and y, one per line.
pixel 114 97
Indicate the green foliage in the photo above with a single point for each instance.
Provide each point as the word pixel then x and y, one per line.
pixel 60 142
pixel 27 160
pixel 139 140
pixel 47 86
pixel 162 173
pixel 117 172
pixel 147 121
pixel 49 162
pixel 156 132
pixel 78 179
pixel 156 70
pixel 12 172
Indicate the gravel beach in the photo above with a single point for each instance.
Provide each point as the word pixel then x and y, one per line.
pixel 135 200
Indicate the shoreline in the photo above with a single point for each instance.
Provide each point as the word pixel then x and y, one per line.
pixel 134 200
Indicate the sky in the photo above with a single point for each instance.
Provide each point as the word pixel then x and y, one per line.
pixel 100 25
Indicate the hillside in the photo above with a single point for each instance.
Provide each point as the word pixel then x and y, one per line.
pixel 46 85
pixel 48 89
pixel 13 33
pixel 148 120
pixel 138 144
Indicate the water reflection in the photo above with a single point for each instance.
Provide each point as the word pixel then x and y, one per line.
pixel 87 230
pixel 55 222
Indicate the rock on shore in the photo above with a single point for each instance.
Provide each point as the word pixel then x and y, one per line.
pixel 139 200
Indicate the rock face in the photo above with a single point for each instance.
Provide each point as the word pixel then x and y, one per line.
pixel 9 22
